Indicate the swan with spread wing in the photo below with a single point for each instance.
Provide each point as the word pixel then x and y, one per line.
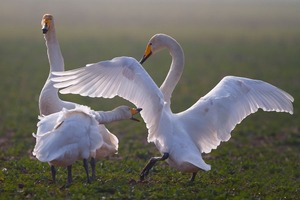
pixel 181 137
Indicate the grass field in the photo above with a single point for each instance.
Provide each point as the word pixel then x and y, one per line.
pixel 254 39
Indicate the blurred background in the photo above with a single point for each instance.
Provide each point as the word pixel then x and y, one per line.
pixel 259 39
pixel 256 39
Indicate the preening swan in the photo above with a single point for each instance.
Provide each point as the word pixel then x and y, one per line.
pixel 180 137
pixel 69 135
pixel 49 101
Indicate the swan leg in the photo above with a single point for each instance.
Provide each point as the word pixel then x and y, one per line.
pixel 69 168
pixel 193 176
pixel 93 166
pixel 86 167
pixel 53 172
pixel 151 163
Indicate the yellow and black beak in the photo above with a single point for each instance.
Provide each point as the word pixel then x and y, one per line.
pixel 45 27
pixel 147 54
pixel 135 111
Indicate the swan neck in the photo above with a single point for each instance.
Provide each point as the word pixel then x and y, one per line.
pixel 49 101
pixel 104 117
pixel 175 70
pixel 55 57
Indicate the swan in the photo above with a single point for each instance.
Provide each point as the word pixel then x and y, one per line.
pixel 69 135
pixel 180 137
pixel 49 101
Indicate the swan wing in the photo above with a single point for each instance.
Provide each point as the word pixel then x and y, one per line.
pixel 210 120
pixel 121 76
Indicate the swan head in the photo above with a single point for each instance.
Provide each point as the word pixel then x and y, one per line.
pixel 127 112
pixel 135 111
pixel 46 22
pixel 156 44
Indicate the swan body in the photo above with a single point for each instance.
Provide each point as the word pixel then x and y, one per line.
pixel 69 135
pixel 78 122
pixel 180 137
pixel 66 136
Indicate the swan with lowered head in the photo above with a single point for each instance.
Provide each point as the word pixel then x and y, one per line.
pixel 69 135
pixel 180 137
pixel 49 101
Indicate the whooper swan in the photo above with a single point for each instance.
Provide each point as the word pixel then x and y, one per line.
pixel 180 137
pixel 49 101
pixel 69 135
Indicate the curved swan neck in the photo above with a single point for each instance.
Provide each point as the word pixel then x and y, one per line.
pixel 49 101
pixel 175 70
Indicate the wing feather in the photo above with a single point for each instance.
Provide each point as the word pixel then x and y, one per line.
pixel 121 76
pixel 216 114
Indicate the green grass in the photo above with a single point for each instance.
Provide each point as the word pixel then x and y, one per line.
pixel 261 160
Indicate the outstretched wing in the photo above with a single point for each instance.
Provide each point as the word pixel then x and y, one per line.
pixel 210 120
pixel 121 76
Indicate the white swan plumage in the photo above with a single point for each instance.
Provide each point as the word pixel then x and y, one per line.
pixel 49 101
pixel 53 112
pixel 180 137
pixel 67 136
pixel 70 135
